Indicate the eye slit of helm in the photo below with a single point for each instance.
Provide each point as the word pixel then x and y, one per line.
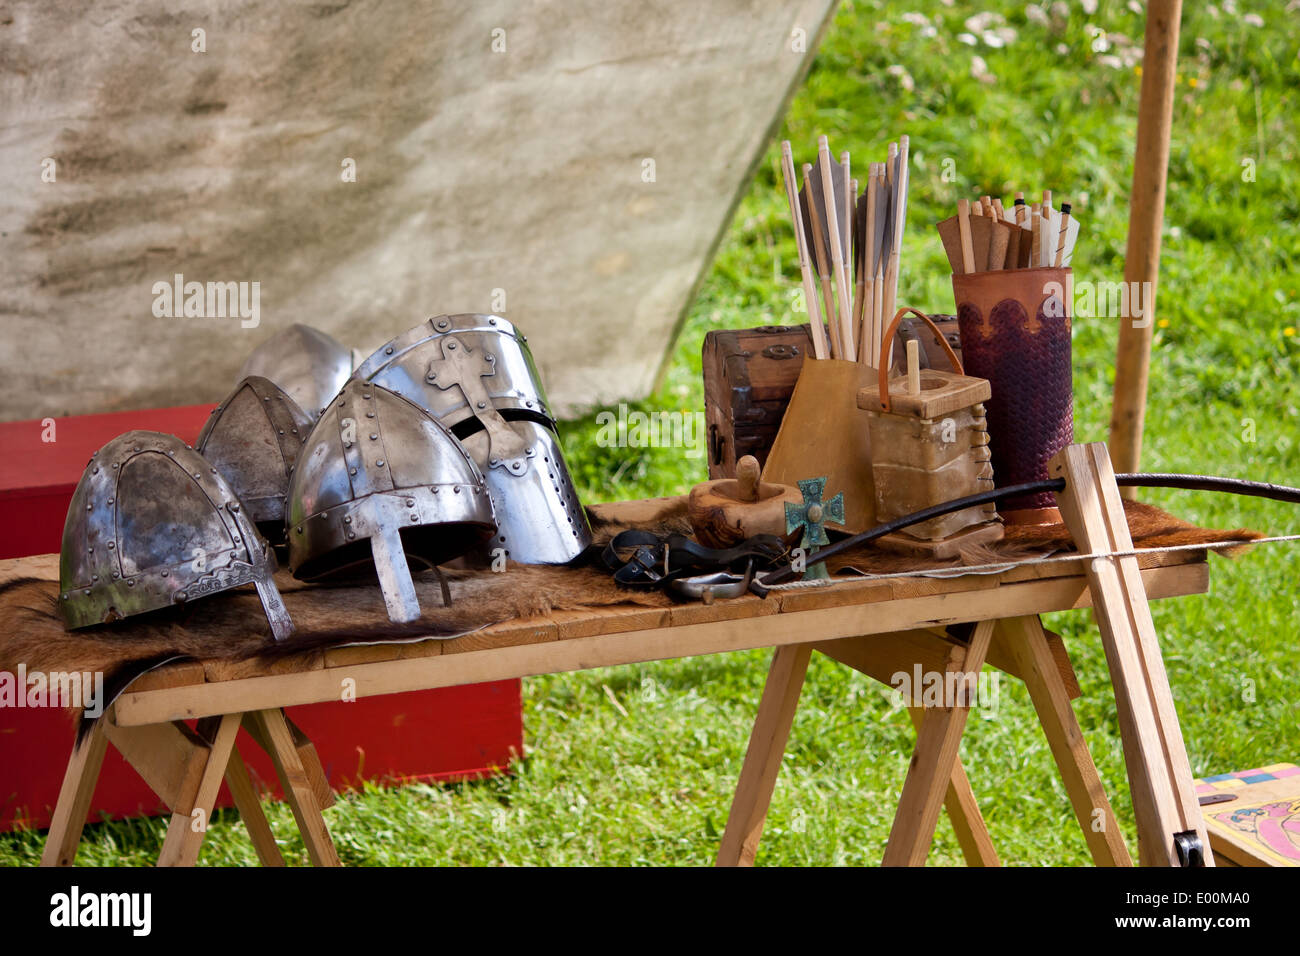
pixel 472 425
pixel 425 546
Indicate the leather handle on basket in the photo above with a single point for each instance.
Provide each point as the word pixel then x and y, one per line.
pixel 887 345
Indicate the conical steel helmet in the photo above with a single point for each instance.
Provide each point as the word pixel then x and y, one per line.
pixel 253 439
pixel 153 524
pixel 475 374
pixel 309 365
pixel 380 481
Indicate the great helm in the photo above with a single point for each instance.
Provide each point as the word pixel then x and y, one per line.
pixel 475 374
pixel 307 364
pixel 152 524
pixel 253 439
pixel 381 481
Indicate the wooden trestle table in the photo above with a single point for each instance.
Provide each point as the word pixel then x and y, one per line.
pixel 878 627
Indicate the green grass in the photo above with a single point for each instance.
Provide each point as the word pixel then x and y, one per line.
pixel 598 787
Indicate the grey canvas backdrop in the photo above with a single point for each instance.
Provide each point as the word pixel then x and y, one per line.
pixel 479 173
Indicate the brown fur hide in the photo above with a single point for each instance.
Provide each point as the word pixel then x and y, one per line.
pixel 230 627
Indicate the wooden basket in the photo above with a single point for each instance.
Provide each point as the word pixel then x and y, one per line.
pixel 928 447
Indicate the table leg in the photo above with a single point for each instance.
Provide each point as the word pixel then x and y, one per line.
pixel 250 810
pixel 307 755
pixel 272 727
pixel 79 781
pixel 763 757
pixel 935 757
pixel 964 811
pixel 1024 639
pixel 192 811
pixel 884 656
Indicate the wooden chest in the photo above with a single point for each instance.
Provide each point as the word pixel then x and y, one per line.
pixel 750 373
pixel 748 377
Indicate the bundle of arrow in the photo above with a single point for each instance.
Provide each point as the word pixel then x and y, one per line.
pixel 984 237
pixel 855 242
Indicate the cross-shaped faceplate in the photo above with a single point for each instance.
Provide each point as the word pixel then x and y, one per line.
pixel 459 366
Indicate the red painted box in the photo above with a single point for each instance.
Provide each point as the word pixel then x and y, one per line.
pixel 450 733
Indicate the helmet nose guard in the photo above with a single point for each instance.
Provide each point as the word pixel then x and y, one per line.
pixel 380 483
pixel 253 439
pixel 153 524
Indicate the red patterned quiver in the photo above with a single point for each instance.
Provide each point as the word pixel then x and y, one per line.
pixel 1015 332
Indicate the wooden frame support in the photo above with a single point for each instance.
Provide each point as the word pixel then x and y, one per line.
pixel 307 756
pixel 194 801
pixel 185 768
pixel 1021 648
pixel 763 758
pixel 1025 641
pixel 882 656
pixel 74 799
pixel 963 811
pixel 935 758
pixel 271 729
pixel 1160 775
pixel 249 806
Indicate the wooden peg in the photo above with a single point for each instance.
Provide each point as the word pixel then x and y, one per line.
pixel 967 247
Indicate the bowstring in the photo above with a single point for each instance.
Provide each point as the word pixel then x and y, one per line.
pixel 959 570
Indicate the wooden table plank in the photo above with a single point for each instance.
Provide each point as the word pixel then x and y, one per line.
pixel 537 629
pixel 179 674
pixel 655 643
pixel 616 619
pixel 353 654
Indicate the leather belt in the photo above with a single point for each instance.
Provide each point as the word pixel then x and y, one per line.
pixel 643 559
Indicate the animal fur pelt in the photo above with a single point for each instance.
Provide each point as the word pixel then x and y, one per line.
pixel 229 634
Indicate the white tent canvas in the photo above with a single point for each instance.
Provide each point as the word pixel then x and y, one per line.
pixel 359 167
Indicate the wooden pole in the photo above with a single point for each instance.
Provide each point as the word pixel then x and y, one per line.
pixel 1146 216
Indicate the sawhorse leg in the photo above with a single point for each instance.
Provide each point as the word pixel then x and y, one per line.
pixel 1024 640
pixel 964 811
pixel 249 806
pixel 185 768
pixel 935 757
pixel 880 657
pixel 74 799
pixel 1021 647
pixel 771 732
pixel 763 758
pixel 192 810
pixel 271 729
